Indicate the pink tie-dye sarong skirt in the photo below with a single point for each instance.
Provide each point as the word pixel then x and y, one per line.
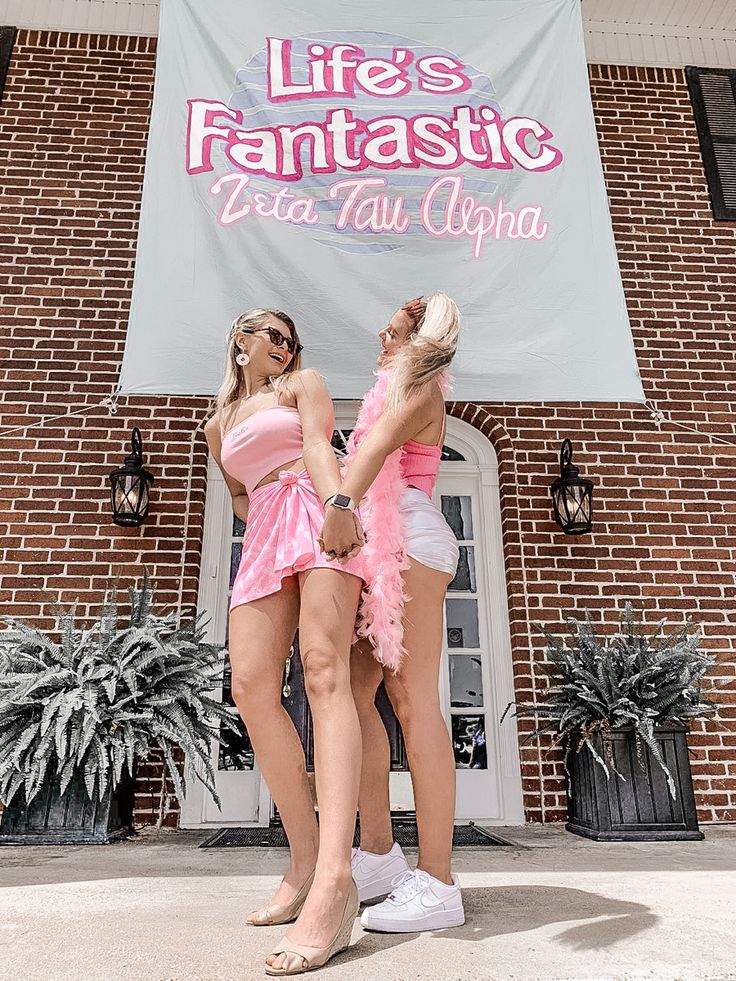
pixel 284 521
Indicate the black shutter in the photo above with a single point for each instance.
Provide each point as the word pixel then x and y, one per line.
pixel 7 40
pixel 713 94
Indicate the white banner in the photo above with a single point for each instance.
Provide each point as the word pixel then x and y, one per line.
pixel 301 159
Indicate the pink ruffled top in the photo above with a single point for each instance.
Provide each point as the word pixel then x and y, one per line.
pixel 420 464
pixel 261 443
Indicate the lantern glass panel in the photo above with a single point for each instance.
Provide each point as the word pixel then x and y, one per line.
pixel 127 494
pixel 573 505
pixel 128 491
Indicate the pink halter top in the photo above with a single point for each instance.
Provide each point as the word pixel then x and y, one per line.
pixel 255 447
pixel 420 464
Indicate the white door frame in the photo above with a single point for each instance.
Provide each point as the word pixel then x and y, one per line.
pixel 198 810
pixel 480 458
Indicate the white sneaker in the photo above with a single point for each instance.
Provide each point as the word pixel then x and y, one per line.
pixel 374 874
pixel 418 902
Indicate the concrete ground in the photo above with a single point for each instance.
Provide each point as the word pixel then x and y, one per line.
pixel 552 907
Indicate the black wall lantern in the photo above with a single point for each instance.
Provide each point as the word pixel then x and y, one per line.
pixel 129 487
pixel 572 496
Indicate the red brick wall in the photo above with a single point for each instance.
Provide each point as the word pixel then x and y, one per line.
pixel 74 118
pixel 665 499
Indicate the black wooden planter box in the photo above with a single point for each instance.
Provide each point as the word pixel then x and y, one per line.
pixel 69 820
pixel 641 808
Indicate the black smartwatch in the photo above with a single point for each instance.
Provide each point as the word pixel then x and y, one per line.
pixel 341 501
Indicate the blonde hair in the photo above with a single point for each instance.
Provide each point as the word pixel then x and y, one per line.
pixel 234 385
pixel 428 351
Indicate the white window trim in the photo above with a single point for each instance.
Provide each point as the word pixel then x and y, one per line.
pixel 481 458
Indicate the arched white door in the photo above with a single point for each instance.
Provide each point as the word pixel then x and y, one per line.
pixel 476 682
pixel 476 679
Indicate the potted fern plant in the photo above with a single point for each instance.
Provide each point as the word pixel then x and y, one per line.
pixel 620 708
pixel 78 712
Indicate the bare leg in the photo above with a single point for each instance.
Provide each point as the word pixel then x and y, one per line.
pixel 329 602
pixel 376 833
pixel 415 697
pixel 261 634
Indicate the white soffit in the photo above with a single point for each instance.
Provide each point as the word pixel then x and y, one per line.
pixel 665 33
pixel 138 17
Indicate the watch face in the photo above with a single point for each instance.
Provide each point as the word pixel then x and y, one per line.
pixel 341 501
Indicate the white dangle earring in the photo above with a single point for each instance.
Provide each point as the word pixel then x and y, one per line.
pixel 242 359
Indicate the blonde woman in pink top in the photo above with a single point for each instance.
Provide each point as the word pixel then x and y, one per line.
pixel 271 436
pixel 398 444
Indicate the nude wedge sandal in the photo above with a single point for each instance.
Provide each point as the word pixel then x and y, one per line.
pixel 301 958
pixel 278 913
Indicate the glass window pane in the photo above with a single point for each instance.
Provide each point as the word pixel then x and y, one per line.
pixel 462 623
pixel 227 675
pixel 459 516
pixel 466 681
pixel 238 527
pixel 236 550
pixel 340 439
pixel 236 752
pixel 448 454
pixel 469 742
pixel 464 580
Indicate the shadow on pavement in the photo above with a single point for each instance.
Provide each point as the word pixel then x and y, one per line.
pixel 495 912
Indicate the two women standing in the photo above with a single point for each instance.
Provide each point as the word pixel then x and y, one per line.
pixel 308 563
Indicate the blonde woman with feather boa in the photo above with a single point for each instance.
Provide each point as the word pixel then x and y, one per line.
pixel 391 467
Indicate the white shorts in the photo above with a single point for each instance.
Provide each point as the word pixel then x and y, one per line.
pixel 427 536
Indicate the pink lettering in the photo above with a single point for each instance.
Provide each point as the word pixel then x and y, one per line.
pixel 515 131
pixel 384 78
pixel 443 75
pixel 280 205
pixel 479 137
pixel 369 212
pixel 201 132
pixel 335 71
pixel 280 86
pixel 458 214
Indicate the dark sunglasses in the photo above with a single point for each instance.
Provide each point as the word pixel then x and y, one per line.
pixel 280 340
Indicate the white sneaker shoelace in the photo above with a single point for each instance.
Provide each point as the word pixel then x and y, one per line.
pixel 407 885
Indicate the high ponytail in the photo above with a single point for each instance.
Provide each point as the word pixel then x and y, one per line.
pixel 429 351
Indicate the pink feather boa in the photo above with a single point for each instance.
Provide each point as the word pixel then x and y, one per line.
pixel 382 603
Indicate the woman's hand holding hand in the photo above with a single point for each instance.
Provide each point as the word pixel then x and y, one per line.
pixel 342 534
